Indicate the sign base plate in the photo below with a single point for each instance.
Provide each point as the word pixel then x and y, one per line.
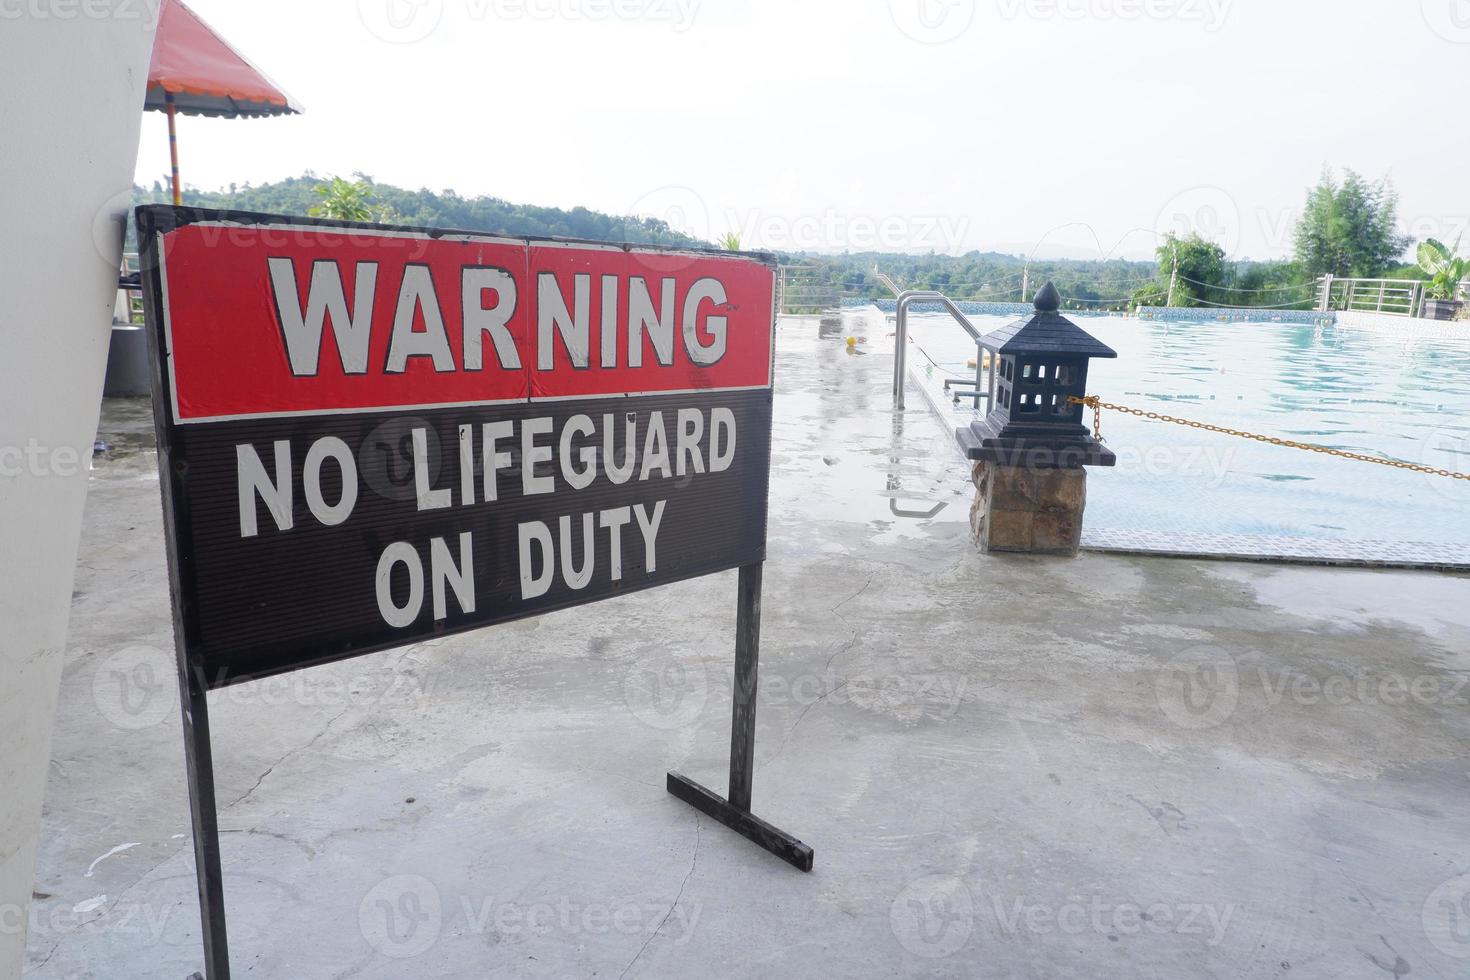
pixel 743 822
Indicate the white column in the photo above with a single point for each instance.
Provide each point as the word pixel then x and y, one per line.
pixel 74 80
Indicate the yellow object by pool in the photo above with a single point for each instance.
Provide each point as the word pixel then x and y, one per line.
pixel 852 341
pixel 971 361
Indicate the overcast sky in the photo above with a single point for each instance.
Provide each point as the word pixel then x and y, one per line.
pixel 854 124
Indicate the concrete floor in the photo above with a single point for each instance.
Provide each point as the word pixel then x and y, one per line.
pixel 1107 767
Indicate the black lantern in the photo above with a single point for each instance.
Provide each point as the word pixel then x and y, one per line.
pixel 1039 363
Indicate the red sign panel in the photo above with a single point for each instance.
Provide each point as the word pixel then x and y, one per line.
pixel 286 319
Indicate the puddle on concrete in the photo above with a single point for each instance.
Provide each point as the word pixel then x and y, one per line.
pixel 1429 601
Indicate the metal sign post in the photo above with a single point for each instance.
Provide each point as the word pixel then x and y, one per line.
pixel 372 436
pixel 734 812
pixel 204 817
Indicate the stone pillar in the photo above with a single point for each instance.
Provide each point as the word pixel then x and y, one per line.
pixel 1028 510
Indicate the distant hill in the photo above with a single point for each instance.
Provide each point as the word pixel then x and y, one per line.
pixel 981 276
pixel 825 278
pixel 445 209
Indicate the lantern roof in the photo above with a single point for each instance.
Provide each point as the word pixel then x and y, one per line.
pixel 1046 332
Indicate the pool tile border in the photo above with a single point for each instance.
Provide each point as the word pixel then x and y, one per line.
pixel 1425 555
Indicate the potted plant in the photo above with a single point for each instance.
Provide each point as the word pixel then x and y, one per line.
pixel 1445 272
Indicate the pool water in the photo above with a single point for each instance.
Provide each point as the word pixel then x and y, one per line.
pixel 1388 395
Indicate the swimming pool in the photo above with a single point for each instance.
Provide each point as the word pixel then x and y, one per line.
pixel 1397 394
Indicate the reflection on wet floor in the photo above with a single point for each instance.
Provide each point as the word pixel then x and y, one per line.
pixel 842 454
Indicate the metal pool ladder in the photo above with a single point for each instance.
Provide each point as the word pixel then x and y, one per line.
pixel 984 384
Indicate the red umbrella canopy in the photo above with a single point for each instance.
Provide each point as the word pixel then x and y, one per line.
pixel 196 72
pixel 204 74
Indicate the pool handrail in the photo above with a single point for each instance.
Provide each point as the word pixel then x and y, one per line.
pixel 906 298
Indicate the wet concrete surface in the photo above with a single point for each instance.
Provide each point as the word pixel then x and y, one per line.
pixel 1008 767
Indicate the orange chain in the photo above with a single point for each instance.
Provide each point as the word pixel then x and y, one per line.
pixel 1097 405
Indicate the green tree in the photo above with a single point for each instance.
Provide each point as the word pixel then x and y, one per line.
pixel 1348 228
pixel 349 201
pixel 1150 294
pixel 1201 271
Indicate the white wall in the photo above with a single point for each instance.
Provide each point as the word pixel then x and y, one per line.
pixel 74 75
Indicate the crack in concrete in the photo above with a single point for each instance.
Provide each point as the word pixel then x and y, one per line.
pixel 50 954
pixel 843 648
pixel 252 789
pixel 306 848
pixel 693 860
pixel 852 597
pixel 852 641
pixel 316 738
pixel 618 775
pixel 792 730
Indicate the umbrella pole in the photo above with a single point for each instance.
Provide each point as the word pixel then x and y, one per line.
pixel 173 145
